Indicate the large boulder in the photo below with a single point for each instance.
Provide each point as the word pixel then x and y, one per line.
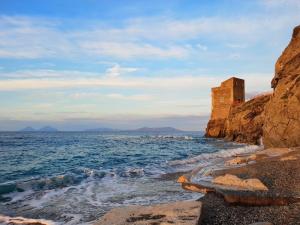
pixel 282 113
pixel 230 180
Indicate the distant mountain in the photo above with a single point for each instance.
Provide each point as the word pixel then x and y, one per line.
pixel 157 130
pixel 101 129
pixel 47 129
pixel 27 129
pixel 140 130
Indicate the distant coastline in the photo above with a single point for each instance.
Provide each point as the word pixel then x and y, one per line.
pixel 110 130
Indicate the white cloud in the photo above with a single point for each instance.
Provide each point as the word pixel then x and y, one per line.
pixel 202 47
pixel 46 73
pixel 236 45
pixel 132 50
pixel 129 97
pixel 118 96
pixel 116 70
pixel 281 3
pixel 154 38
pixel 65 80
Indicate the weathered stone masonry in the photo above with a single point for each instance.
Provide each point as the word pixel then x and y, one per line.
pixel 234 119
pixel 231 92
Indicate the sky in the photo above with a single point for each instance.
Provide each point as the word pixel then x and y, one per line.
pixel 81 64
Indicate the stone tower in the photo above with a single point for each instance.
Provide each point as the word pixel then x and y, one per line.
pixel 230 92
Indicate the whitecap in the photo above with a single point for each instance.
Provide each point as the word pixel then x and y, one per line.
pixel 205 157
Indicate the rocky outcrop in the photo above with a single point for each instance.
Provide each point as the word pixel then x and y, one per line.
pixel 244 123
pixel 216 128
pixel 276 117
pixel 282 113
pixel 23 221
pixel 270 177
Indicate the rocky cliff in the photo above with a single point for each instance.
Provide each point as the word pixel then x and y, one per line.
pixel 244 123
pixel 274 117
pixel 282 115
pixel 216 128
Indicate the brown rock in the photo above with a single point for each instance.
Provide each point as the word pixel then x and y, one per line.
pixel 287 158
pixel 185 213
pixel 182 179
pixel 234 181
pixel 282 113
pixel 197 188
pixel 245 122
pixel 216 128
pixel 23 221
pixel 261 223
pixel 236 161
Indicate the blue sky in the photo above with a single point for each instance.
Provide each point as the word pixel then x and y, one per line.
pixel 125 64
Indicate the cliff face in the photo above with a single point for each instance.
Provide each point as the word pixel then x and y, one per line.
pixel 245 121
pixel 216 128
pixel 276 117
pixel 282 114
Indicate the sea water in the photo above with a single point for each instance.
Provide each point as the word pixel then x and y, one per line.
pixel 76 177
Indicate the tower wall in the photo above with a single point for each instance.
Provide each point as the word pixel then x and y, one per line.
pixel 230 92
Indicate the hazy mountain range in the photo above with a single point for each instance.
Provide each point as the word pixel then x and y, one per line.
pixel 109 130
pixel 43 129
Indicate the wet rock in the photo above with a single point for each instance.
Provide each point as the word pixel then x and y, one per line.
pixel 23 221
pixel 182 179
pixel 185 213
pixel 236 161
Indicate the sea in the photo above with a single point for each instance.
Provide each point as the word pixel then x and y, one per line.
pixel 76 177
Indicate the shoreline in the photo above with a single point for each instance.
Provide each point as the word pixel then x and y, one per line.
pixel 158 187
pixel 215 208
pixel 280 173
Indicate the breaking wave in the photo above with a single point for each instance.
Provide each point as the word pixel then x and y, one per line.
pixel 223 154
pixel 63 181
pixel 75 178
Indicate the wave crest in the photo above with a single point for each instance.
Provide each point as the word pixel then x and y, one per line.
pixel 216 155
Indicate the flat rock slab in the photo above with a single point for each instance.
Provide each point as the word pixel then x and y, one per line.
pixel 183 213
pixel 261 223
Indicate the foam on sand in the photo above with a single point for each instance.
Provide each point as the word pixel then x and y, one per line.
pixel 24 221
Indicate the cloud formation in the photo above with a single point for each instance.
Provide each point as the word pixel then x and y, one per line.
pixel 116 70
pixel 153 64
pixel 154 37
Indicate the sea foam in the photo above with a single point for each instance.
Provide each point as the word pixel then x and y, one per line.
pixel 7 220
